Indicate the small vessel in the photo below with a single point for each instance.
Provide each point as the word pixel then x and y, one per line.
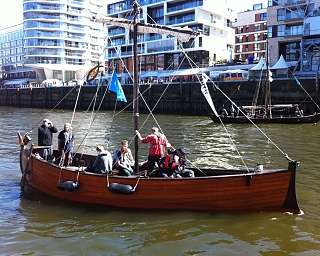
pixel 211 189
pixel 266 112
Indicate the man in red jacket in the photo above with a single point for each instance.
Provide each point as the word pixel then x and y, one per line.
pixel 157 146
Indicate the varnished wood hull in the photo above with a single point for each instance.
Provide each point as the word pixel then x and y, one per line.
pixel 272 190
pixel 280 120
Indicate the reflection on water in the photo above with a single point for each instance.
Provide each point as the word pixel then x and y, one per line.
pixel 44 226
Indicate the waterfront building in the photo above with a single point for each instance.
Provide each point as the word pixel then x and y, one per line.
pixel 311 40
pixel 251 34
pixel 61 40
pixel 12 70
pixel 160 52
pixel 285 29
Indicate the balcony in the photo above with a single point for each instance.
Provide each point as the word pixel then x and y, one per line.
pixel 294 2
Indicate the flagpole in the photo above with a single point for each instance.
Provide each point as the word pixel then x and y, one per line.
pixel 135 86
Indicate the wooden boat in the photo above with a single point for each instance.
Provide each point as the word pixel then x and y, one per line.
pixel 210 190
pixel 250 189
pixel 314 118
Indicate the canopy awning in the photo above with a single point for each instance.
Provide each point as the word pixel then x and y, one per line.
pixel 281 64
pixel 16 82
pixel 262 65
pixel 234 71
pixel 170 73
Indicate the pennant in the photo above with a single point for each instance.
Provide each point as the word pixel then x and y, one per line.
pixel 206 93
pixel 116 88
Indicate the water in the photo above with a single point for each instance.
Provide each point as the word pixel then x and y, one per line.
pixel 43 226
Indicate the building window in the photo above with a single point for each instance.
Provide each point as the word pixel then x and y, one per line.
pixel 263 16
pixel 200 41
pixel 281 14
pixel 281 30
pixel 206 30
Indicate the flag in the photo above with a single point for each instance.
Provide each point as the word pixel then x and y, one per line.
pixel 116 88
pixel 206 93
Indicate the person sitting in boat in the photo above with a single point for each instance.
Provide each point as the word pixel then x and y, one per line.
pixel 232 111
pixel 123 159
pixel 173 165
pixel 66 145
pixel 298 112
pixel 103 162
pixel 157 147
pixel 224 112
pixel 45 134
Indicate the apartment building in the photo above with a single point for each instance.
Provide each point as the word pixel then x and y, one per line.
pixel 61 40
pixel 12 70
pixel 311 40
pixel 160 52
pixel 251 34
pixel 285 28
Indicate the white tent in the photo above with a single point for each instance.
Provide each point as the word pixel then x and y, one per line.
pixel 281 64
pixel 262 65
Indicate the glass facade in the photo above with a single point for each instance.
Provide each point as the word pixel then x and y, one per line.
pixel 61 32
pixel 163 51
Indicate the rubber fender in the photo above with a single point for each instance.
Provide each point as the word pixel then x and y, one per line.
pixel 121 188
pixel 68 186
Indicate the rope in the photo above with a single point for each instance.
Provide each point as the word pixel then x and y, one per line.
pixel 225 128
pixel 75 105
pixel 297 81
pixel 264 134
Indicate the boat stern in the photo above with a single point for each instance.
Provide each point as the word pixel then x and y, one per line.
pixel 291 204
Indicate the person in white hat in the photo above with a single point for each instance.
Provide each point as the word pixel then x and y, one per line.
pixel 45 134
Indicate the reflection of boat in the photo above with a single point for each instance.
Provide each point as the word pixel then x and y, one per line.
pixel 249 189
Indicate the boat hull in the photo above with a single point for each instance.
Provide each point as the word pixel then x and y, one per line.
pixel 280 120
pixel 257 191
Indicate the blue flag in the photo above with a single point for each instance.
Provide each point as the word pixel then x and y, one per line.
pixel 116 88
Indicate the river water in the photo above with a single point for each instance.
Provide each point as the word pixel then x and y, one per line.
pixel 43 226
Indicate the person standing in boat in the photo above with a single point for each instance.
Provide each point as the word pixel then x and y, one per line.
pixel 123 159
pixel 157 146
pixel 45 134
pixel 66 145
pixel 103 162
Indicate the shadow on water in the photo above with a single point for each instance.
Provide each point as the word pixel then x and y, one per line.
pixel 46 226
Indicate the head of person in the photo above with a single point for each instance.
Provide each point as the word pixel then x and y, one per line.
pixel 124 145
pixel 155 130
pixel 67 127
pixel 46 122
pixel 100 149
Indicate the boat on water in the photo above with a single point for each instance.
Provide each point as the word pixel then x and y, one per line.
pixel 314 118
pixel 211 189
pixel 277 117
pixel 266 112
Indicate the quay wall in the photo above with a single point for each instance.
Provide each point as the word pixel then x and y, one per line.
pixel 178 98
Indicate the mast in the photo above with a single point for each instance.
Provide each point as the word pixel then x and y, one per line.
pixel 268 89
pixel 135 86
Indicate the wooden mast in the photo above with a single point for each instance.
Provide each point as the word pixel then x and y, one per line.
pixel 135 86
pixel 268 89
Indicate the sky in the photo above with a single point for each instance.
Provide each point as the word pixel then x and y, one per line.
pixel 11 11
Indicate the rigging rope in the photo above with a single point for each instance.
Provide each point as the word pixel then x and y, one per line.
pixel 225 128
pixel 262 132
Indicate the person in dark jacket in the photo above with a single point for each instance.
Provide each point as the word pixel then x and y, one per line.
pixel 66 145
pixel 45 134
pixel 102 163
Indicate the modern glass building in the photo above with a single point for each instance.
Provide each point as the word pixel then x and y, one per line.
pixel 285 28
pixel 61 40
pixel 161 52
pixel 12 70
